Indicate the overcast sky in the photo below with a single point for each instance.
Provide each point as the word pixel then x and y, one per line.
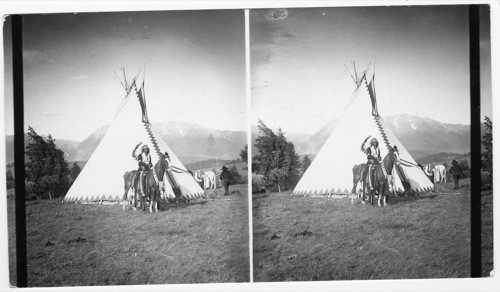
pixel 299 81
pixel 195 68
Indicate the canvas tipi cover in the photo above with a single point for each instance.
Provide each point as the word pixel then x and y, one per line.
pixel 331 170
pixel 102 176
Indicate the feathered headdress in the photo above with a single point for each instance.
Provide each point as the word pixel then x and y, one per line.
pixel 366 144
pixel 134 152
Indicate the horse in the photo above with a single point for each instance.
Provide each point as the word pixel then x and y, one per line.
pixel 151 187
pixel 439 173
pixel 209 178
pixel 128 178
pixel 380 181
pixel 357 176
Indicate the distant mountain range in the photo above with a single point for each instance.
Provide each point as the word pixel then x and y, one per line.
pixel 420 136
pixel 190 142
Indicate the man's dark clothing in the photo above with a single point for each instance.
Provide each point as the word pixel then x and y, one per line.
pixel 457 172
pixel 226 178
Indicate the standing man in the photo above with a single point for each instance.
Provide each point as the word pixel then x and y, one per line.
pixel 226 178
pixel 456 171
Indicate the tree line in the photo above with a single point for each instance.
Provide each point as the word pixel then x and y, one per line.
pixel 47 172
pixel 277 160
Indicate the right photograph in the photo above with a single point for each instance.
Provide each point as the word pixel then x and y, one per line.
pixel 361 149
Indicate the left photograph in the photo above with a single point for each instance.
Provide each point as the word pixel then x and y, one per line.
pixel 135 148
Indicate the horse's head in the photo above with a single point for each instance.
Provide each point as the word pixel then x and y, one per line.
pixel 395 154
pixel 161 166
pixel 391 158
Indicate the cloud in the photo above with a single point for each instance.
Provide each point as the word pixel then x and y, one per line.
pixel 36 56
pixel 79 77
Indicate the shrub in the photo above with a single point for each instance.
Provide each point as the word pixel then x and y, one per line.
pixel 11 183
pixel 464 164
pixel 237 179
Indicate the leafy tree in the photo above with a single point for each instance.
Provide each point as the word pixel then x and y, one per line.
pixel 75 171
pixel 46 167
pixel 487 154
pixel 255 164
pixel 277 159
pixel 244 153
pixel 464 164
pixel 237 179
pixel 305 163
pixel 11 183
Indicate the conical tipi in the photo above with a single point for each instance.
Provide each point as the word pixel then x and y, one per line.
pixel 331 170
pixel 102 176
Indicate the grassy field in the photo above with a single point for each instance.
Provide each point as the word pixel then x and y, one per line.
pixel 487 232
pixel 302 239
pixel 74 244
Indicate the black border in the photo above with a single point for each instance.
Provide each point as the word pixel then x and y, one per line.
pixel 17 66
pixel 475 136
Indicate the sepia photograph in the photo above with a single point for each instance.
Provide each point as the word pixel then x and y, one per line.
pixel 135 148
pixel 361 143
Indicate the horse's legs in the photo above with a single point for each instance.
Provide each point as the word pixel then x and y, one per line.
pixel 135 183
pixel 157 198
pixel 363 195
pixel 382 190
pixel 380 194
pixel 151 201
pixel 125 199
pixel 143 198
pixel 135 199
pixel 373 191
pixel 353 192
